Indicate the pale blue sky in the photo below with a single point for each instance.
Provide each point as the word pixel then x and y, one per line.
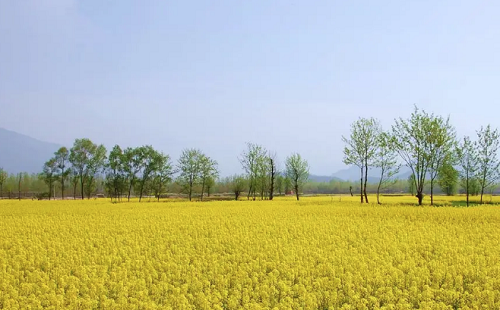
pixel 290 75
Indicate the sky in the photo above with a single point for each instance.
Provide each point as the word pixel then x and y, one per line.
pixel 288 75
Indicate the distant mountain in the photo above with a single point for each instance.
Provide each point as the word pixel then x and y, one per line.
pixel 322 178
pixel 353 174
pixel 20 153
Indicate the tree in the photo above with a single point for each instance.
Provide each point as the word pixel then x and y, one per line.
pixel 386 161
pixel 189 165
pixel 412 142
pixel 87 159
pixel 441 144
pixel 361 148
pixel 162 175
pixel 149 162
pixel 467 160
pixel 3 177
pixel 115 173
pixel 133 163
pixel 209 185
pixel 488 165
pixel 280 183
pixel 208 170
pixel 253 161
pixel 49 174
pixel 62 160
pixel 411 184
pixel 297 170
pixel 448 179
pixel 238 185
pixel 74 179
pixel 272 174
pixel 19 179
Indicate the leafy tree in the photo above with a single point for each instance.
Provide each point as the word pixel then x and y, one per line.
pixel 209 185
pixel 412 141
pixel 87 159
pixel 115 173
pixel 49 174
pixel 208 170
pixel 448 179
pixel 361 148
pixel 74 179
pixel 238 185
pixel 150 161
pixel 297 170
pixel 162 175
pixel 253 161
pixel 386 161
pixel 189 165
pixel 467 161
pixel 411 184
pixel 62 160
pixel 280 183
pixel 488 164
pixel 3 177
pixel 441 144
pixel 133 163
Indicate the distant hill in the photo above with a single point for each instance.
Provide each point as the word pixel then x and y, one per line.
pixel 353 174
pixel 20 153
pixel 322 178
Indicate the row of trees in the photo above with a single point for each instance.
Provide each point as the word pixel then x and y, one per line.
pixel 145 171
pixel 264 177
pixel 427 145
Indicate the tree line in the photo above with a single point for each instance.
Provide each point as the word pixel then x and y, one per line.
pixel 427 144
pixel 143 171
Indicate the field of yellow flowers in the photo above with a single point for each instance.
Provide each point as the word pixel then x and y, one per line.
pixel 319 253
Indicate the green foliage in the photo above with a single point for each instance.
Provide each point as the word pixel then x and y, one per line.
pixel 488 171
pixel 448 179
pixel 297 171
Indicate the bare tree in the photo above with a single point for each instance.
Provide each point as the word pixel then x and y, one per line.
pixel 297 170
pixel 272 174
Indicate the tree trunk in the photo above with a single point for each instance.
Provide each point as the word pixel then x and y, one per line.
pixel 420 197
pixel 378 191
pixel 50 190
pixel 432 192
pixel 467 189
pixel 350 190
pixel 366 181
pixel 482 192
pixel 202 189
pixel 81 182
pixel 297 192
pixel 362 185
pixel 62 184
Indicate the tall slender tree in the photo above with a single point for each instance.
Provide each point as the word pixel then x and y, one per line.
pixel 411 141
pixel 208 169
pixel 189 165
pixel 361 148
pixel 488 171
pixel 468 163
pixel 49 174
pixel 386 161
pixel 297 170
pixel 62 160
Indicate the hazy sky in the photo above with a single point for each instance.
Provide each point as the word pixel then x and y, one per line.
pixel 289 75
